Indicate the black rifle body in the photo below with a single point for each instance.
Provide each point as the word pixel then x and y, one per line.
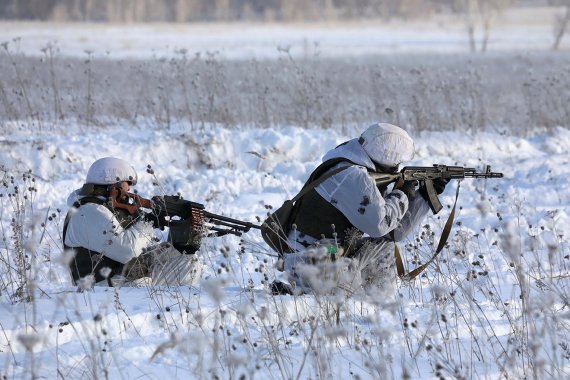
pixel 173 206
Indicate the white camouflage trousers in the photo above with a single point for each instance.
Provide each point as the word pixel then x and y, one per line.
pixel 372 265
pixel 163 265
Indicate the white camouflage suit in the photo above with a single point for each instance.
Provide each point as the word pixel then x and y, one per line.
pixel 95 227
pixel 376 219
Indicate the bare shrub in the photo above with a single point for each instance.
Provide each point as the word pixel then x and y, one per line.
pixel 425 92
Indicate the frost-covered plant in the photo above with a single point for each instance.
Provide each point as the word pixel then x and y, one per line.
pixel 462 92
pixel 470 272
pixel 19 248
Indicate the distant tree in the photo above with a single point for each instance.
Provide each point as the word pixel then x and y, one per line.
pixel 222 10
pixel 182 10
pixel 155 10
pixel 76 10
pixel 561 25
pixel 483 11
pixel 27 9
pixel 488 10
pixel 289 9
pixel 327 9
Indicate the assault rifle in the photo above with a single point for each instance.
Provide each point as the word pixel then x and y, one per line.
pixel 426 174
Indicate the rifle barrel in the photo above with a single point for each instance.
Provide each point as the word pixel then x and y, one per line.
pixel 222 231
pixel 484 175
pixel 235 223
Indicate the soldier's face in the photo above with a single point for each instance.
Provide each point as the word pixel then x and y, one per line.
pixel 125 186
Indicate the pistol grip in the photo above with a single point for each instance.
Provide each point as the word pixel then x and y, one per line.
pixel 432 200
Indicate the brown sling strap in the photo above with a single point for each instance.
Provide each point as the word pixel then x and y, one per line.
pixel 442 240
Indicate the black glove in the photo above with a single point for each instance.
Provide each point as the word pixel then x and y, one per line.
pixel 159 204
pixel 156 216
pixel 438 184
pixel 409 188
pixel 153 218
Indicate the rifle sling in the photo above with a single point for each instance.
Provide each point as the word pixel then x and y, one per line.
pixel 442 240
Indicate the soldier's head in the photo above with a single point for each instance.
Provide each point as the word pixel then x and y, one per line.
pixel 111 171
pixel 387 145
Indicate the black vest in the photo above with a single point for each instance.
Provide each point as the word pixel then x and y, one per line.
pixel 315 216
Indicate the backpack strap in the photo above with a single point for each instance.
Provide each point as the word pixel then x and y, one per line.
pixel 275 228
pixel 320 178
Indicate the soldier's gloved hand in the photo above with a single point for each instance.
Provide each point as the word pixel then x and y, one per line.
pixel 159 204
pixel 438 185
pixel 409 188
pixel 153 218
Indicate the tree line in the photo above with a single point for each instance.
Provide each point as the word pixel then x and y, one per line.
pixel 231 10
pixel 477 15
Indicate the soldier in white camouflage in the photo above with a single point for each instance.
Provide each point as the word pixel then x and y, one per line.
pixel 350 212
pixel 108 245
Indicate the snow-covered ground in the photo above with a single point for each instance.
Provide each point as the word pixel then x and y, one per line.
pixel 494 304
pixel 511 232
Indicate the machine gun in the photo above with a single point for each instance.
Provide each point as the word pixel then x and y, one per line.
pixel 426 174
pixel 187 221
pixel 172 207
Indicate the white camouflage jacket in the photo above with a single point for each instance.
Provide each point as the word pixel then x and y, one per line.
pixel 96 228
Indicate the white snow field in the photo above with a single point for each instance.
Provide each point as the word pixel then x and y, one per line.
pixel 494 305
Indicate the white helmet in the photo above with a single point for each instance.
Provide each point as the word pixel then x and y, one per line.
pixel 387 144
pixel 110 170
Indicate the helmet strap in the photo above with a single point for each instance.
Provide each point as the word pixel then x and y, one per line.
pixel 93 190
